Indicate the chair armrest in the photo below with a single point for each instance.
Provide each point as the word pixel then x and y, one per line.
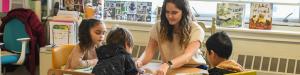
pixel 23 51
pixel 1 34
pixel 23 39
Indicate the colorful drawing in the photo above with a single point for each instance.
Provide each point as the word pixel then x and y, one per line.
pixel 62 33
pixel 230 14
pixel 261 16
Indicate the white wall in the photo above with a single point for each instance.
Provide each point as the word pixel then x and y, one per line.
pixel 265 43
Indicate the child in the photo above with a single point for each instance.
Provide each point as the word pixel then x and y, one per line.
pixel 115 58
pixel 91 34
pixel 219 49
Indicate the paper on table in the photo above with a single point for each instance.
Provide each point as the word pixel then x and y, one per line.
pixel 85 70
pixel 151 68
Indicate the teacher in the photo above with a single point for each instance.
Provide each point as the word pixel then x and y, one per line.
pixel 176 37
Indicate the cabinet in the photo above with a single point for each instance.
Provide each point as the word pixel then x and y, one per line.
pixel 45 59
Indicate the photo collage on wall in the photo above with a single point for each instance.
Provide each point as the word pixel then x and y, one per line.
pixel 96 6
pixel 128 10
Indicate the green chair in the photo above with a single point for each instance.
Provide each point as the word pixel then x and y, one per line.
pixel 15 41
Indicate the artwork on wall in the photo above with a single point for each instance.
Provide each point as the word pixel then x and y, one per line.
pixel 230 14
pixel 62 32
pixel 261 16
pixel 4 6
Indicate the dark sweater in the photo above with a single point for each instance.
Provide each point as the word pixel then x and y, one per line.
pixel 114 60
pixel 218 71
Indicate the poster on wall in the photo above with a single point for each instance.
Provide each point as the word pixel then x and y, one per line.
pixel 230 15
pixel 62 32
pixel 132 11
pixel 109 10
pixel 93 8
pixel 120 10
pixel 144 11
pixel 1 5
pixel 78 5
pixel 261 16
pixel 4 5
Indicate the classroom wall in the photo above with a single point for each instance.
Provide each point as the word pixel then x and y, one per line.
pixel 271 51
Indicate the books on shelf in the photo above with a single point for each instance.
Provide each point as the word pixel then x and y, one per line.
pixel 261 16
pixel 230 14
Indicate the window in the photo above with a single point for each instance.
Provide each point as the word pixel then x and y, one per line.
pixel 281 12
pixel 203 10
pixel 286 11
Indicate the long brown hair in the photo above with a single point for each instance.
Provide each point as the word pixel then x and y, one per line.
pixel 167 30
pixel 85 38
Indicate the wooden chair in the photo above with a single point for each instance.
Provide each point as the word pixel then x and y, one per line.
pixel 59 58
pixel 243 73
pixel 62 72
pixel 60 55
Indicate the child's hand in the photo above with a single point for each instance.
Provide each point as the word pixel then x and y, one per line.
pixel 141 71
pixel 138 64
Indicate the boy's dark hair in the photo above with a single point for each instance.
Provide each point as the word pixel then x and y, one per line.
pixel 115 60
pixel 220 43
pixel 119 36
pixel 85 40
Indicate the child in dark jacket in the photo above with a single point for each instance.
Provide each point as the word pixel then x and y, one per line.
pixel 115 56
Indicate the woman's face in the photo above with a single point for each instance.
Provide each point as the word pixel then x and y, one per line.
pixel 173 14
pixel 98 33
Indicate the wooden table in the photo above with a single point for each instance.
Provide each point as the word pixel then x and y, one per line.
pixel 151 68
pixel 63 72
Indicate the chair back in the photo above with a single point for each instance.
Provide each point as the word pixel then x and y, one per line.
pixel 243 73
pixel 14 30
pixel 60 55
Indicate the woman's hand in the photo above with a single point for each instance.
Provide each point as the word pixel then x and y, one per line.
pixel 163 69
